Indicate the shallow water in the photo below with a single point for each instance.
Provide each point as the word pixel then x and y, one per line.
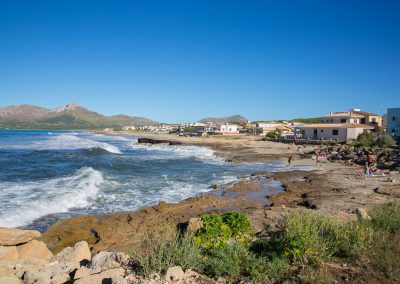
pixel 49 175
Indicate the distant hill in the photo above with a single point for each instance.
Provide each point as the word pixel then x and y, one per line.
pixel 71 116
pixel 228 119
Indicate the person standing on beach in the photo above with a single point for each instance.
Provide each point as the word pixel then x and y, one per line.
pixel 290 160
pixel 318 159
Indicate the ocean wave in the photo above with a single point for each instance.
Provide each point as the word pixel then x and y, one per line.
pixel 23 202
pixel 67 142
pixel 162 151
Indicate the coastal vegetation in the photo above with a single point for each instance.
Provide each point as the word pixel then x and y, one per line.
pixel 307 247
pixel 369 139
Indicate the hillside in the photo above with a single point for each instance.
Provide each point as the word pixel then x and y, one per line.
pixel 228 119
pixel 71 116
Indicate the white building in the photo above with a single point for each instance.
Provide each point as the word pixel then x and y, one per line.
pixel 342 117
pixel 129 128
pixel 333 131
pixel 227 129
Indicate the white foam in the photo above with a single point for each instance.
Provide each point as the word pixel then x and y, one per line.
pixel 23 202
pixel 68 142
pixel 163 151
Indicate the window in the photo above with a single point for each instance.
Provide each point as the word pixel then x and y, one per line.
pixel 343 121
pixel 373 119
pixel 322 130
pixel 335 132
pixel 393 118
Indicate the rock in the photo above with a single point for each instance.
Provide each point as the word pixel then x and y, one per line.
pixel 108 260
pixel 119 280
pixel 29 265
pixel 77 254
pixel 12 237
pixel 84 272
pixel 8 253
pixel 54 273
pixel 10 280
pixel 174 274
pixel 194 224
pixel 362 214
pixel 34 249
pixel 6 269
pixel 103 277
pixel 194 277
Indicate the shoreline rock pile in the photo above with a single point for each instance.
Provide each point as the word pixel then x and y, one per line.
pixel 25 260
pixel 386 158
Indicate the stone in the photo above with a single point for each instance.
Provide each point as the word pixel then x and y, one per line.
pixel 12 237
pixel 84 271
pixel 10 280
pixel 119 280
pixel 108 260
pixel 6 269
pixel 174 274
pixel 34 249
pixel 8 253
pixel 362 214
pixel 194 224
pixel 54 273
pixel 29 265
pixel 102 277
pixel 77 254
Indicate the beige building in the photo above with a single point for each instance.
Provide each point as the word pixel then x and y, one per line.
pixel 333 131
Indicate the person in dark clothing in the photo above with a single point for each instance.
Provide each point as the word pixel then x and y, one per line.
pixel 290 160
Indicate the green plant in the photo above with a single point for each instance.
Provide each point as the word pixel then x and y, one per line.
pixel 366 139
pixel 273 134
pixel 217 230
pixel 161 250
pixel 385 140
pixel 237 222
pixel 386 217
pixel 308 237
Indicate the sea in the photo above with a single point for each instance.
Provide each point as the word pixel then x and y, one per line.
pixel 46 176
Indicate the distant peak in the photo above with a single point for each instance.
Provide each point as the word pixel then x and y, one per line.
pixel 68 107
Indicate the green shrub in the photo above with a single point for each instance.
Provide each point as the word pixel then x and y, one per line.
pixel 365 139
pixel 273 134
pixel 385 140
pixel 217 230
pixel 160 251
pixel 386 217
pixel 308 237
pixel 237 222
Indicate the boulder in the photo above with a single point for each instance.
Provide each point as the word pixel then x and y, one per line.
pixel 83 271
pixel 108 260
pixel 174 274
pixel 77 254
pixel 10 280
pixel 102 277
pixel 362 214
pixel 12 237
pixel 29 265
pixel 54 273
pixel 6 269
pixel 34 249
pixel 8 253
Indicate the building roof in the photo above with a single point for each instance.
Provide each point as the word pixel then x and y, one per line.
pixel 365 113
pixel 336 125
pixel 344 114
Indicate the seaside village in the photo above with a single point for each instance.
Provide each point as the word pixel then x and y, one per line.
pixel 339 126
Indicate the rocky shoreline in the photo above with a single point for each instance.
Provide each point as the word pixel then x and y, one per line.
pixel 337 189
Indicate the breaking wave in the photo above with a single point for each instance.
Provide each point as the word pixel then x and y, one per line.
pixel 23 202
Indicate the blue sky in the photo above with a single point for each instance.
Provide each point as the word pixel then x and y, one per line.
pixel 177 61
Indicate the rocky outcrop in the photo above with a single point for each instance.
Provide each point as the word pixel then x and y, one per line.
pixel 386 158
pixel 79 253
pixel 13 237
pixel 157 141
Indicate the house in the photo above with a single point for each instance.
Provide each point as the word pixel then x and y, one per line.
pixel 354 116
pixel 333 131
pixel 227 129
pixel 266 127
pixel 393 122
pixel 129 128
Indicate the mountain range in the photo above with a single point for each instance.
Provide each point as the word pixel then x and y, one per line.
pixel 228 119
pixel 71 116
